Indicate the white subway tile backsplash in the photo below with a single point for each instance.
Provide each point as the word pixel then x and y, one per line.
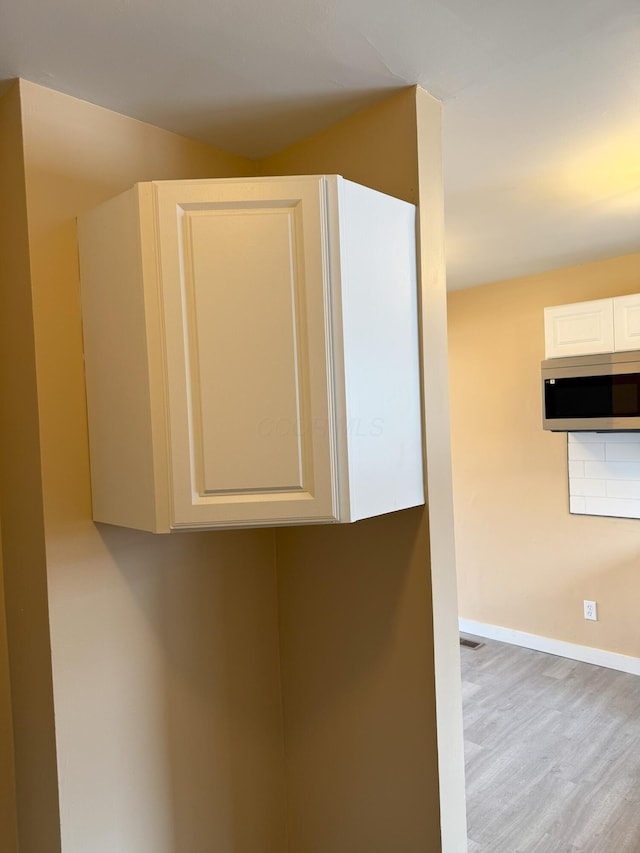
pixel 576 469
pixel 603 470
pixel 588 450
pixel 623 489
pixel 617 507
pixel 616 437
pixel 588 487
pixel 577 504
pixel 624 452
pixel 584 437
pixel 604 474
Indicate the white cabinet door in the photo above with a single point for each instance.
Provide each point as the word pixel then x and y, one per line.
pixel 581 328
pixel 245 285
pixel 626 315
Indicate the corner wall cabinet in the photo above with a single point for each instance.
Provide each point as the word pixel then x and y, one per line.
pixel 589 328
pixel 251 353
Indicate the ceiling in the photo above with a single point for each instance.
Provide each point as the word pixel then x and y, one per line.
pixel 541 99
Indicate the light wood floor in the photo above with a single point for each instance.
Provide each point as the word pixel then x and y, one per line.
pixel 552 753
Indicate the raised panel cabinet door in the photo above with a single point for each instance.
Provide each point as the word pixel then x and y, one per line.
pixel 245 293
pixel 581 328
pixel 626 318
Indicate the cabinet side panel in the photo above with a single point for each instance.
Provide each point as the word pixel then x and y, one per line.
pixel 380 319
pixel 29 804
pixel 116 367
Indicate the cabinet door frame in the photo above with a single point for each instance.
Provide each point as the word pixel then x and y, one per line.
pixel 316 497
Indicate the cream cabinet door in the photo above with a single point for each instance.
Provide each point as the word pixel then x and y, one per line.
pixel 245 294
pixel 581 328
pixel 626 315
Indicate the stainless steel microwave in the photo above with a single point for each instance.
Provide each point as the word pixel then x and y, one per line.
pixel 599 393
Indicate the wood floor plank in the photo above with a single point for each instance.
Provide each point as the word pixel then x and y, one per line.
pixel 552 753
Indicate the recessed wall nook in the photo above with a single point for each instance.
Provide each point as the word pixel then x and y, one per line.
pixel 591 390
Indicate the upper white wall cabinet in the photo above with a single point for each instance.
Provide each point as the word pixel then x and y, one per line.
pixel 251 353
pixel 579 329
pixel 585 328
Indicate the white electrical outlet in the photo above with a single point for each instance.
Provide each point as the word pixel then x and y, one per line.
pixel 590 610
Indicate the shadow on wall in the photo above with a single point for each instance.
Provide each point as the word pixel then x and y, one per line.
pixel 358 684
pixel 212 645
pixel 347 583
pixel 208 648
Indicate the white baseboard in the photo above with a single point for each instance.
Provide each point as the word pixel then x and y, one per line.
pixel 585 654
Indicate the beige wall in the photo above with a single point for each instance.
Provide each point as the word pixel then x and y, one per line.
pixel 356 622
pixel 358 694
pixel 523 561
pixel 8 813
pixel 375 147
pixel 12 183
pixel 437 434
pixel 23 547
pixel 164 649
